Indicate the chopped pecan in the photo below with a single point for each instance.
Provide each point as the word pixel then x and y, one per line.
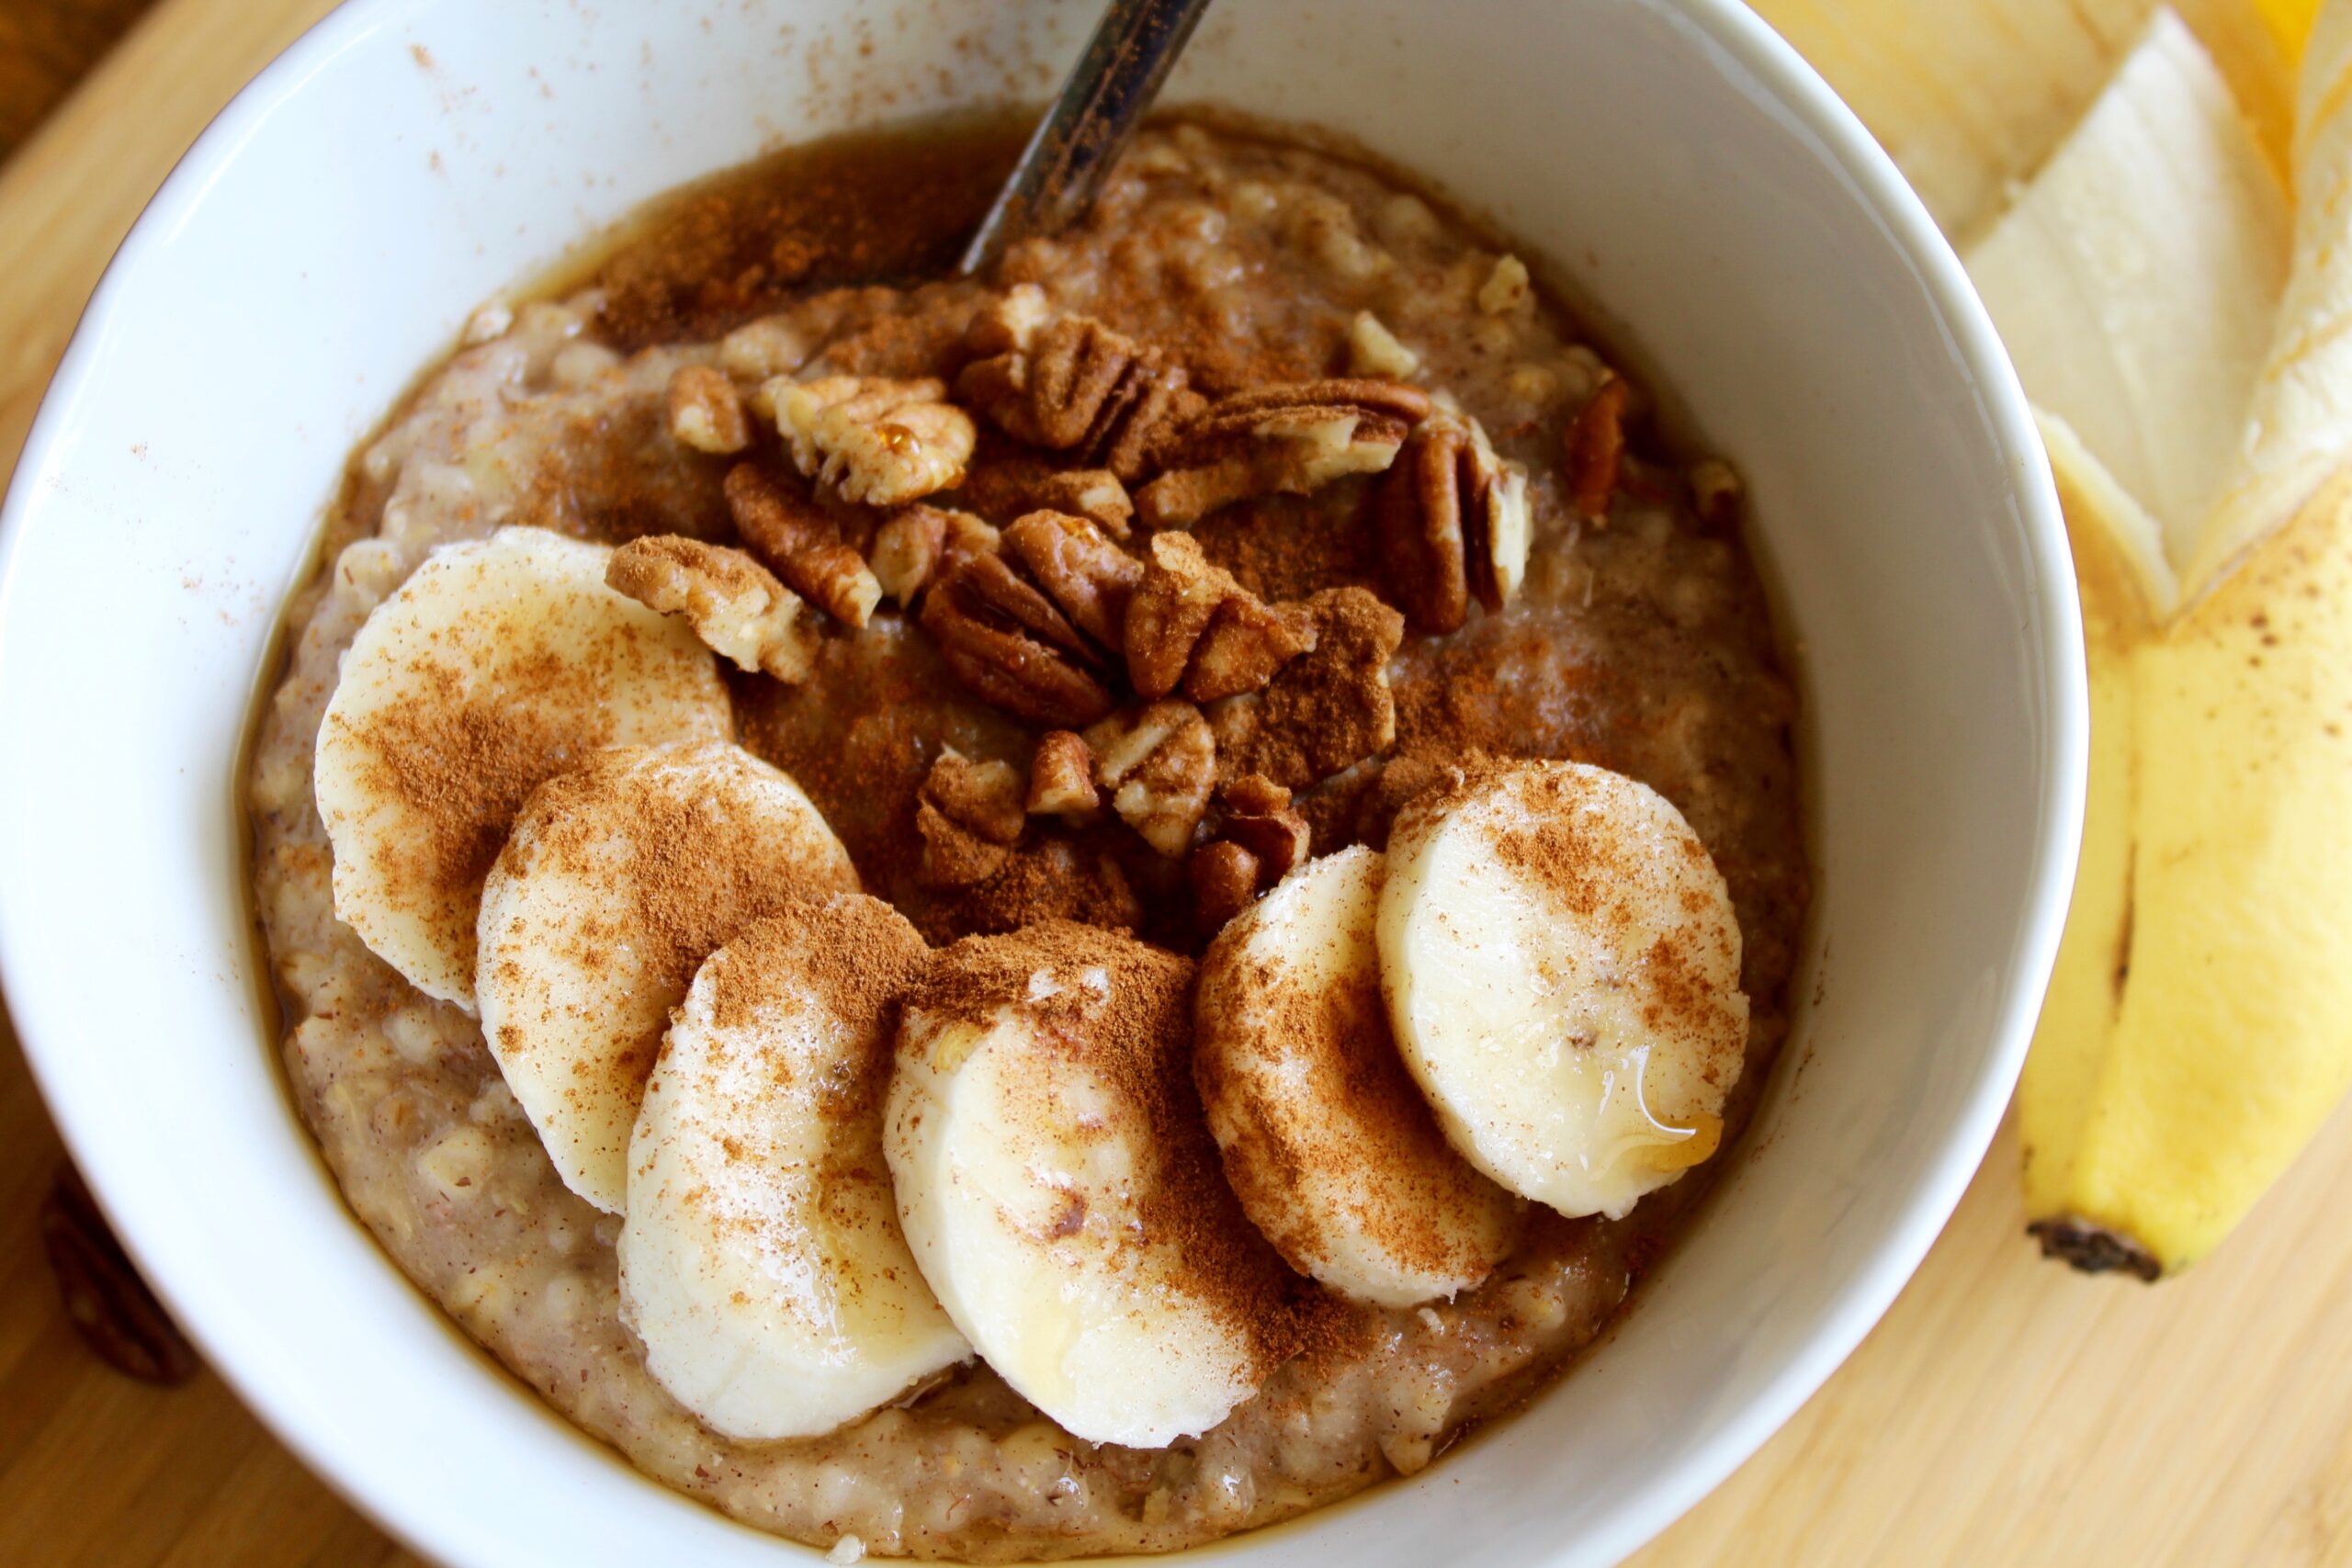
pixel 795 537
pixel 1596 445
pixel 1006 323
pixel 1191 623
pixel 1716 494
pixel 1373 349
pixel 705 411
pixel 874 440
pixel 1293 438
pixel 1094 494
pixel 735 604
pixel 1453 524
pixel 1007 642
pixel 762 350
pixel 108 1304
pixel 1225 879
pixel 1327 710
pixel 1061 776
pixel 1073 385
pixel 1256 813
pixel 906 551
pixel 1159 765
pixel 1084 573
pixel 969 815
pixel 1507 288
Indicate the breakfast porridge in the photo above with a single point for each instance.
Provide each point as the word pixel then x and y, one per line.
pixel 1056 915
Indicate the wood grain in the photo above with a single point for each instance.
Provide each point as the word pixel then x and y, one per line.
pixel 2006 1412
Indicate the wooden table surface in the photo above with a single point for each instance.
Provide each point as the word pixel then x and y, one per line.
pixel 2006 1412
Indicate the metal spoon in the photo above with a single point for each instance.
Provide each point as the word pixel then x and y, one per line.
pixel 1088 125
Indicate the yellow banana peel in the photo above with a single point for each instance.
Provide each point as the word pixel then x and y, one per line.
pixel 2199 1024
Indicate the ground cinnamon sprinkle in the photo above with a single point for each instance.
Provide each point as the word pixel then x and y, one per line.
pixel 879 207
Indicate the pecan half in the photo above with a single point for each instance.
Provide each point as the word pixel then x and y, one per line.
pixel 1596 446
pixel 734 604
pixel 968 815
pixel 1453 523
pixel 1087 576
pixel 705 411
pixel 1192 624
pixel 1074 385
pixel 1293 439
pixel 1327 710
pixel 874 440
pixel 795 537
pixel 1159 765
pixel 108 1304
pixel 1007 642
pixel 1061 777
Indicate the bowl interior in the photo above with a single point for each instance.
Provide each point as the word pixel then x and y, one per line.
pixel 411 157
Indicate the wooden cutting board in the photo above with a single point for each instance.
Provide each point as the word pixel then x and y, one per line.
pixel 2006 1412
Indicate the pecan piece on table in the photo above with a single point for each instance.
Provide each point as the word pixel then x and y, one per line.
pixel 872 439
pixel 705 411
pixel 1596 448
pixel 1453 524
pixel 108 1304
pixel 1074 385
pixel 968 815
pixel 1009 643
pixel 734 604
pixel 795 537
pixel 1191 623
pixel 1160 763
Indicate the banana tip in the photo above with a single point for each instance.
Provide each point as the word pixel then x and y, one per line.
pixel 2094 1248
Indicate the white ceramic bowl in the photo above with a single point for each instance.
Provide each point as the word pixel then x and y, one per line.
pixel 410 157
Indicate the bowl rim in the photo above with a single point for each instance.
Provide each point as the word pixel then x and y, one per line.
pixel 1876 184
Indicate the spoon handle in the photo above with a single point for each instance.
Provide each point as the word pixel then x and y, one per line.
pixel 1088 126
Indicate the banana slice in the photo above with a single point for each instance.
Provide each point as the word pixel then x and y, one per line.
pixel 1060 1193
pixel 499 663
pixel 619 879
pixel 1328 1142
pixel 1562 968
pixel 761 1259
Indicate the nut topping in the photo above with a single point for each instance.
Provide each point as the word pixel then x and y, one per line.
pixel 1192 624
pixel 1061 777
pixel 1161 764
pixel 969 815
pixel 1225 879
pixel 705 411
pixel 981 616
pixel 1074 385
pixel 1257 813
pixel 1453 523
pixel 735 604
pixel 873 440
pixel 803 543
pixel 1327 710
pixel 1084 573
pixel 1596 445
pixel 906 551
pixel 1293 439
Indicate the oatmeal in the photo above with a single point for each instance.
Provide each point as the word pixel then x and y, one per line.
pixel 1154 587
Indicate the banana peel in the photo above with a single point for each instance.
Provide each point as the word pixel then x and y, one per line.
pixel 2197 1029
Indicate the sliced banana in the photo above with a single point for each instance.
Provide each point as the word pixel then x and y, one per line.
pixel 1562 968
pixel 1060 1193
pixel 1327 1140
pixel 619 879
pixel 761 1259
pixel 499 663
